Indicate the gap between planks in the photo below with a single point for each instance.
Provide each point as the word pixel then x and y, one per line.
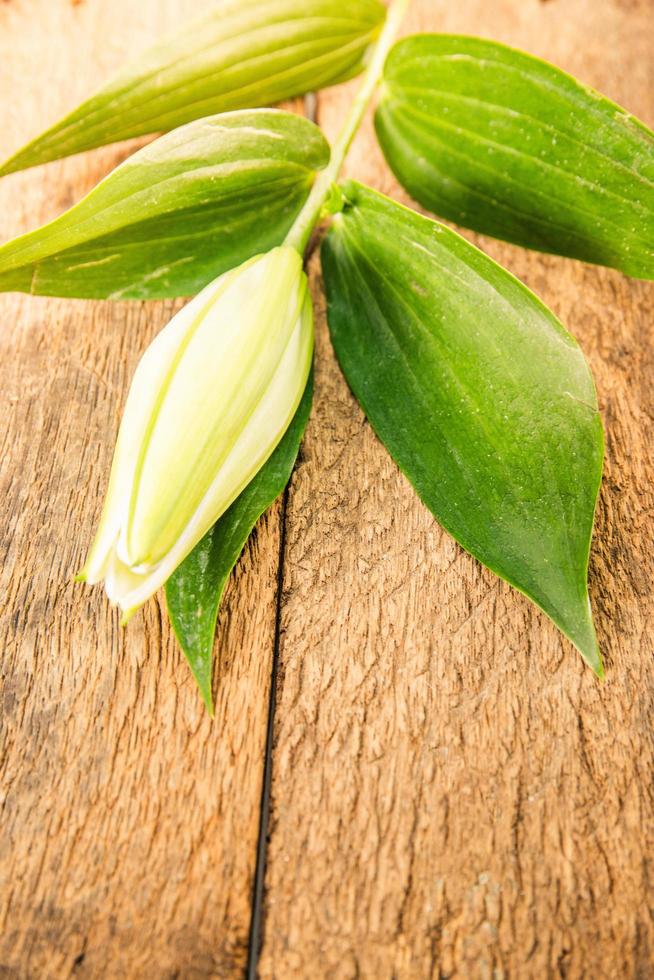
pixel 256 925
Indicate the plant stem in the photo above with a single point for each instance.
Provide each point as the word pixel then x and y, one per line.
pixel 300 233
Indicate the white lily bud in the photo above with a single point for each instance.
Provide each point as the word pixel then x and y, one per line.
pixel 211 398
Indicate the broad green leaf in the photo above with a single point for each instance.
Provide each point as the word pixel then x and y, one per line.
pixel 195 590
pixel 175 215
pixel 243 54
pixel 479 394
pixel 511 146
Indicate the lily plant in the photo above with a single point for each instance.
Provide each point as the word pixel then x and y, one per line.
pixel 482 397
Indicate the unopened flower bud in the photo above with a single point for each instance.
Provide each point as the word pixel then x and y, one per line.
pixel 210 400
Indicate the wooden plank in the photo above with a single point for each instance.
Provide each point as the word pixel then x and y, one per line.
pixel 454 795
pixel 128 821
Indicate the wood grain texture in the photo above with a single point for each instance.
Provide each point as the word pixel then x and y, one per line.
pixel 128 822
pixel 454 794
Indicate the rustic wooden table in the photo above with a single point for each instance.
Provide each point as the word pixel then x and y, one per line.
pixel 449 793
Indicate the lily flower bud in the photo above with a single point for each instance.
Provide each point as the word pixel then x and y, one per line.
pixel 210 400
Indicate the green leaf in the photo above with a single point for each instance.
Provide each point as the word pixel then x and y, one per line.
pixel 194 591
pixel 510 146
pixel 175 215
pixel 479 394
pixel 243 54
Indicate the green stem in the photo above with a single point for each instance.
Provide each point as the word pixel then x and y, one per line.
pixel 299 235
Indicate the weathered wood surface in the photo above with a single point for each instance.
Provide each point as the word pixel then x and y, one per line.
pixel 130 822
pixel 453 794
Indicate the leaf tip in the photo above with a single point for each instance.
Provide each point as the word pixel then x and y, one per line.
pixel 597 665
pixel 589 648
pixel 199 657
pixel 12 164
